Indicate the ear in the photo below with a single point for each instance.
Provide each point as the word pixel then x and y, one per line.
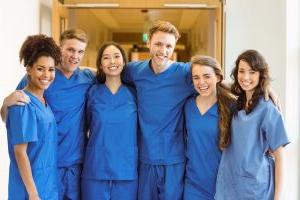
pixel 148 43
pixel 219 78
pixel 28 69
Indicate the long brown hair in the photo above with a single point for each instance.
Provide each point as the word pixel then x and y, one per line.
pixel 258 64
pixel 225 99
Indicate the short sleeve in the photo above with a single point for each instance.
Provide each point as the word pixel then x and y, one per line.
pixel 189 81
pixel 274 129
pixel 91 75
pixel 21 125
pixel 88 105
pixel 127 74
pixel 22 83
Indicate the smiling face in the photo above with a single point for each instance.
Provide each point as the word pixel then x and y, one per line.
pixel 72 54
pixel 161 46
pixel 205 80
pixel 248 79
pixel 112 61
pixel 41 74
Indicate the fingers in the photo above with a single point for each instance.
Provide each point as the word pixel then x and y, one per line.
pixel 18 97
pixel 267 96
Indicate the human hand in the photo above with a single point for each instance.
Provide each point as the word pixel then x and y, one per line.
pixel 270 93
pixel 17 97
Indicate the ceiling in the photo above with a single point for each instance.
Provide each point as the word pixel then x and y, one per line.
pixel 135 20
pixel 146 3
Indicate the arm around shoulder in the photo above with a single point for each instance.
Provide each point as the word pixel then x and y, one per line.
pixel 17 97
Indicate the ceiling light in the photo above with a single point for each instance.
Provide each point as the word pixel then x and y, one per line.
pixel 92 5
pixel 185 5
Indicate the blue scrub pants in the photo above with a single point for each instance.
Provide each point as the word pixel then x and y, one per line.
pixel 69 182
pixel 161 182
pixel 193 192
pixel 109 189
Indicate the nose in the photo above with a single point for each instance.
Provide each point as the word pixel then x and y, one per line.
pixel 112 60
pixel 201 80
pixel 75 54
pixel 163 50
pixel 46 73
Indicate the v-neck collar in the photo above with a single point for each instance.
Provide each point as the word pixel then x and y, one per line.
pixel 110 92
pixel 35 100
pixel 212 110
pixel 58 71
pixel 161 73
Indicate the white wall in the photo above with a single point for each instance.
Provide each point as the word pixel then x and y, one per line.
pixel 271 27
pixel 18 19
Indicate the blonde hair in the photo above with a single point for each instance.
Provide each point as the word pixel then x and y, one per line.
pixel 73 34
pixel 165 27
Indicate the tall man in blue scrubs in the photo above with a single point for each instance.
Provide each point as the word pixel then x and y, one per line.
pixel 66 97
pixel 162 89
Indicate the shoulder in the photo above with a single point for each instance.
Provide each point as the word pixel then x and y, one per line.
pixel 94 89
pixel 137 65
pixel 267 106
pixel 185 66
pixel 130 91
pixel 189 102
pixel 87 73
pixel 19 112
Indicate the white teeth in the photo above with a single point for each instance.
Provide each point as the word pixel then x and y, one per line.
pixel 45 81
pixel 113 68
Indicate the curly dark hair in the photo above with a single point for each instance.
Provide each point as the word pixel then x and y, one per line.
pixel 101 77
pixel 225 99
pixel 36 46
pixel 258 64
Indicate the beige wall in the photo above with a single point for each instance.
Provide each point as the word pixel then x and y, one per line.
pixel 96 31
pixel 18 19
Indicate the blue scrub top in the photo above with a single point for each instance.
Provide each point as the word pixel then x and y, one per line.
pixel 246 171
pixel 203 154
pixel 34 124
pixel 111 152
pixel 67 98
pixel 161 99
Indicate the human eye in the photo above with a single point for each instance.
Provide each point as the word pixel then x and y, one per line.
pixel 52 69
pixel 169 46
pixel 195 77
pixel 40 69
pixel 81 52
pixel 241 71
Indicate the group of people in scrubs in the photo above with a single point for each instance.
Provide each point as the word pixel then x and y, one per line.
pixel 153 129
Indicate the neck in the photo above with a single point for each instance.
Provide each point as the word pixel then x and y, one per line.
pixel 207 100
pixel 36 92
pixel 248 98
pixel 158 69
pixel 67 74
pixel 113 83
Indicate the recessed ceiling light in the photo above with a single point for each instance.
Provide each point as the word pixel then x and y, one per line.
pixel 92 5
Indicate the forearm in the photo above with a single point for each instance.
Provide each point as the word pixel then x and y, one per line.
pixel 25 172
pixel 278 174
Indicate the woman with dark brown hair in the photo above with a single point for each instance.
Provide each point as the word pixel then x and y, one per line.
pixel 31 129
pixel 110 164
pixel 247 171
pixel 208 117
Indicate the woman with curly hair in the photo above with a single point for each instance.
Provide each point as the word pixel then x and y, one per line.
pixel 31 129
pixel 247 171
